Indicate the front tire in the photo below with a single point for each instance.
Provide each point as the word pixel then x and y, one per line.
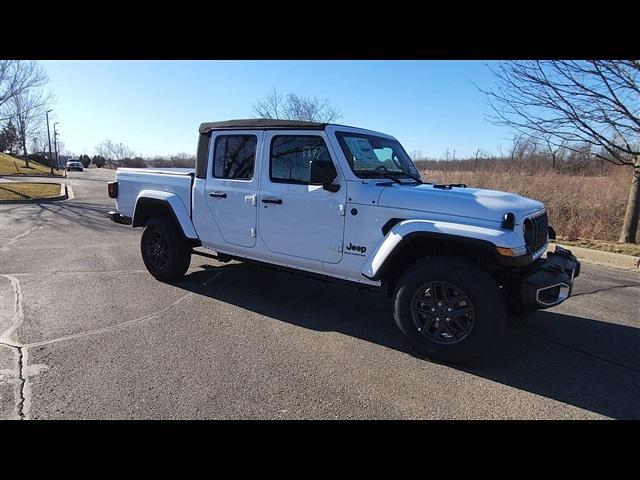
pixel 449 309
pixel 165 253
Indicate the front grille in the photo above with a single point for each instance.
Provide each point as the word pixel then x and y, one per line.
pixel 536 231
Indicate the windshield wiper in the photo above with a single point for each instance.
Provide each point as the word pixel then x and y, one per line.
pixel 377 173
pixel 417 179
pixel 387 174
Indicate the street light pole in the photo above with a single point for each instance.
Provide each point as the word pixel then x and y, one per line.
pixel 49 138
pixel 55 143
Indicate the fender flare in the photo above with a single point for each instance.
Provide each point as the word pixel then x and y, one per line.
pixel 175 206
pixel 480 237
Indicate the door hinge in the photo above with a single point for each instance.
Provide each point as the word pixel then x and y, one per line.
pixel 252 232
pixel 335 245
pixel 251 198
pixel 341 209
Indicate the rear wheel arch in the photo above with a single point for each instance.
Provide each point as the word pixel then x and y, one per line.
pixel 148 208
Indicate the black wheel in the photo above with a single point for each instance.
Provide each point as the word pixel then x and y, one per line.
pixel 165 253
pixel 449 309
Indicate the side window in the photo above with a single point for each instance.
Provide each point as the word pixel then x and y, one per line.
pixel 290 157
pixel 234 156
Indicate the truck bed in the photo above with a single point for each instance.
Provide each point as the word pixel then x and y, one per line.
pixel 131 181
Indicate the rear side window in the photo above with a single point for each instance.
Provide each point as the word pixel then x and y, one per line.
pixel 290 157
pixel 234 156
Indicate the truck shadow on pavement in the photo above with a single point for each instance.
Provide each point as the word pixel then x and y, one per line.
pixel 582 362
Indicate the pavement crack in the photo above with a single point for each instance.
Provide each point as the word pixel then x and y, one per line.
pixel 5 339
pixel 112 327
pixel 5 247
pixel 18 314
pixel 605 289
pixel 23 382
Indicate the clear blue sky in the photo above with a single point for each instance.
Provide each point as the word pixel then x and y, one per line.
pixel 154 107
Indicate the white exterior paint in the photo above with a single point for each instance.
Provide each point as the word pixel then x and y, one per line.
pixel 313 229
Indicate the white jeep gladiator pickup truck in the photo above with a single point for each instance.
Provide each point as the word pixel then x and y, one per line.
pixel 349 204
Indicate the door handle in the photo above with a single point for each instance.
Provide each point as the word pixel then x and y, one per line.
pixel 218 194
pixel 277 201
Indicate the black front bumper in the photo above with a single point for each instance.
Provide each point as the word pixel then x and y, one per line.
pixel 551 281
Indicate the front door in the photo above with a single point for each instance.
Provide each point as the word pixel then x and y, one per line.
pixel 232 186
pixel 296 218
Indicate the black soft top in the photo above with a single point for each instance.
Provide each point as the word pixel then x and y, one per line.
pixel 260 123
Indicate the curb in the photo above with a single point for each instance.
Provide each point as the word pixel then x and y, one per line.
pixel 608 259
pixel 63 196
pixel 21 175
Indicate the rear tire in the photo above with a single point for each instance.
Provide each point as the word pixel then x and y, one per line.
pixel 165 253
pixel 449 309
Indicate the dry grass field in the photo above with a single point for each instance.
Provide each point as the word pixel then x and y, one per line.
pixel 580 206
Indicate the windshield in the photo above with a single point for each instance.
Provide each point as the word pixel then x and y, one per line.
pixel 371 156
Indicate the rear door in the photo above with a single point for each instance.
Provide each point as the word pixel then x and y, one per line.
pixel 298 219
pixel 232 185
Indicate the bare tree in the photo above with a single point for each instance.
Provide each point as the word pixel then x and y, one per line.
pixel 554 150
pixel 577 103
pixel 295 107
pixel 113 151
pixel 480 153
pixel 27 110
pixel 416 155
pixel 16 77
pixel 39 141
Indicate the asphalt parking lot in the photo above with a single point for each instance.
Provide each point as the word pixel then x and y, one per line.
pixel 87 333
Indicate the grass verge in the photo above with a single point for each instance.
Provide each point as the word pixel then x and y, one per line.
pixel 28 190
pixel 14 166
pixel 626 248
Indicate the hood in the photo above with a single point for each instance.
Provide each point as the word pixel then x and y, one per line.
pixel 465 202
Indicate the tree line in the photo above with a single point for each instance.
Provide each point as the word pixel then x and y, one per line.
pixel 526 154
pixel 23 105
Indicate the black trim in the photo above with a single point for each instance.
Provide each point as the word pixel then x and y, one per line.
pixel 261 124
pixel 117 217
pixel 225 257
pixel 390 224
pixel 202 156
pixel 164 205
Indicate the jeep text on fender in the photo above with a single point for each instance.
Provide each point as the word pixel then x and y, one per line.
pixel 348 204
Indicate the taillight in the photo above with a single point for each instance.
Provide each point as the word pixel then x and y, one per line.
pixel 112 188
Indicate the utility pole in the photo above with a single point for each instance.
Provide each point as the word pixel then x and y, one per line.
pixel 55 143
pixel 49 138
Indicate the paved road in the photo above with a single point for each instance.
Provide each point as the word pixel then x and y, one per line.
pixel 88 333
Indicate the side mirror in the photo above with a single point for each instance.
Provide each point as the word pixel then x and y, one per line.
pixel 323 172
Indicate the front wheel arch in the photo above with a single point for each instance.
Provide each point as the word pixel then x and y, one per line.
pixel 420 246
